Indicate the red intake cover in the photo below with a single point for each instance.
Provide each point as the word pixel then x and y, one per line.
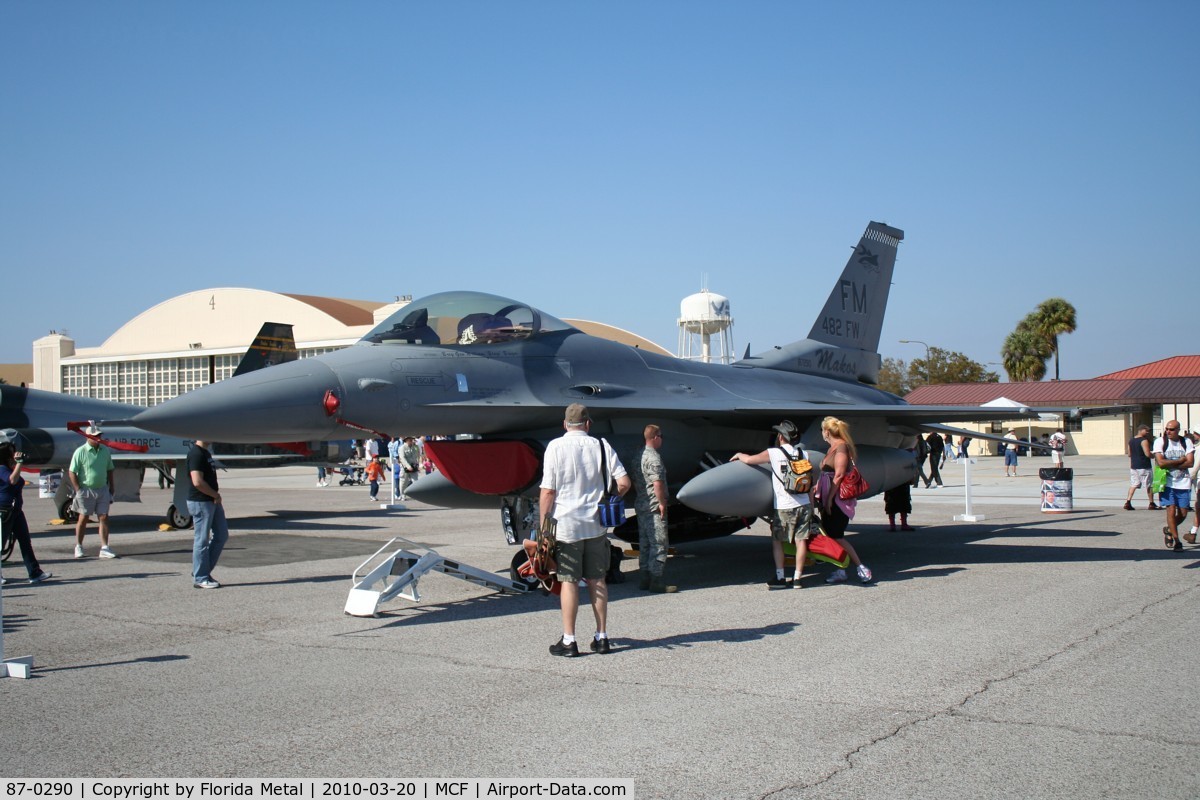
pixel 485 467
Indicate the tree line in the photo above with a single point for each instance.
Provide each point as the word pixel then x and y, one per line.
pixel 1024 354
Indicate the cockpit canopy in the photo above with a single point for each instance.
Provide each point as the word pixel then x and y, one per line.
pixel 464 318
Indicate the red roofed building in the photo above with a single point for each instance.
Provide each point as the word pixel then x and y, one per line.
pixel 1112 405
pixel 1174 367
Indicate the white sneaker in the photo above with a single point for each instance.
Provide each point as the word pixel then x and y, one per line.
pixel 44 576
pixel 79 551
pixel 864 573
pixel 837 576
pixel 106 552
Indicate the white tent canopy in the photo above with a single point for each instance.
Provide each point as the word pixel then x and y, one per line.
pixel 1005 402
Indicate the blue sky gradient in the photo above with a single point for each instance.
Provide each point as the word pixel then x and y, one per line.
pixel 598 160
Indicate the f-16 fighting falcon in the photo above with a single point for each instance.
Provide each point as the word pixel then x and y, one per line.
pixel 48 426
pixel 466 362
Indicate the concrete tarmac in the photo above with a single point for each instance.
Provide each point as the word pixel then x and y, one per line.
pixel 1027 655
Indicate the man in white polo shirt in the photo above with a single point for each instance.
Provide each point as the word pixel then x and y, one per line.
pixel 571 489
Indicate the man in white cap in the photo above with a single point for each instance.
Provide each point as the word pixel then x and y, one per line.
pixel 91 474
pixel 1011 444
pixel 571 489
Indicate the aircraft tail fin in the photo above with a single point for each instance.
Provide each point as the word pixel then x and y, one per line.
pixel 853 314
pixel 844 341
pixel 274 344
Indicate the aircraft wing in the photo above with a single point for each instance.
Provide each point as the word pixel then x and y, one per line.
pixel 991 437
pixel 927 416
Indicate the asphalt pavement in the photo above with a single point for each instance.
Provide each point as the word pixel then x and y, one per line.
pixel 1024 655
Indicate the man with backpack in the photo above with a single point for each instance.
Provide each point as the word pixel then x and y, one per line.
pixel 1174 453
pixel 793 521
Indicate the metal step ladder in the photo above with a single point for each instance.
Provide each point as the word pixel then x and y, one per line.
pixel 398 574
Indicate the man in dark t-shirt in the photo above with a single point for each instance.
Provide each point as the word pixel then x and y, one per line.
pixel 208 516
pixel 937 451
pixel 1140 467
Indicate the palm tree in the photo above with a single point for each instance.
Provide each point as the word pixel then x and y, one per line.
pixel 1024 353
pixel 1050 319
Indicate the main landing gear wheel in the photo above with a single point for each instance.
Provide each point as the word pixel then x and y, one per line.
pixel 178 519
pixel 518 561
pixel 7 542
pixel 67 511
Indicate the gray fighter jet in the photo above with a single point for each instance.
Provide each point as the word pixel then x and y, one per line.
pixel 48 427
pixel 502 371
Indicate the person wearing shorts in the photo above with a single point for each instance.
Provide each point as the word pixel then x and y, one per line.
pixel 91 475
pixel 1175 453
pixel 793 520
pixel 1011 444
pixel 1139 467
pixel 1058 444
pixel 573 482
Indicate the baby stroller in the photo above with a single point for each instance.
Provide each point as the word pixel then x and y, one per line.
pixel 352 474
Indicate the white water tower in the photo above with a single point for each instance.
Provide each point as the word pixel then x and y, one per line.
pixel 701 317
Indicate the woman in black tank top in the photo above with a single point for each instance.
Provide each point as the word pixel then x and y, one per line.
pixel 834 515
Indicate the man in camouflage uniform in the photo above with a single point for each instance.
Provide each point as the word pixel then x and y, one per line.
pixel 650 482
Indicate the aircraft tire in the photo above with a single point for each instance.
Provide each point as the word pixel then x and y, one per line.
pixel 518 560
pixel 67 511
pixel 6 545
pixel 180 520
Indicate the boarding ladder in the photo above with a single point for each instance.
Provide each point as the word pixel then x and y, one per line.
pixel 399 572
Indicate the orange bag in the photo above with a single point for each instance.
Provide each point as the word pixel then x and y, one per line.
pixel 822 548
pixel 542 563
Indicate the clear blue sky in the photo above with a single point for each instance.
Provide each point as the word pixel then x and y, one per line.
pixel 597 159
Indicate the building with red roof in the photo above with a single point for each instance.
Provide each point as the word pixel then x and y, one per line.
pixel 1111 406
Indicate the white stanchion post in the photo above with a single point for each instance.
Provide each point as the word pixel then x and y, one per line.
pixel 967 515
pixel 392 479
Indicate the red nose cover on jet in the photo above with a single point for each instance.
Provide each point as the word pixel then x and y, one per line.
pixel 485 467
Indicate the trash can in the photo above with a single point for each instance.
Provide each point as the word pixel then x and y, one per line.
pixel 1058 484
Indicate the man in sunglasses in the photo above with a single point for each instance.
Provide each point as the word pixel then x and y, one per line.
pixel 1175 453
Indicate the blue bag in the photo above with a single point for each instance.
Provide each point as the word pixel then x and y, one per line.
pixel 612 505
pixel 612 510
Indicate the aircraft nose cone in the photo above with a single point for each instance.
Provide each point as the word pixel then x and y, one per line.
pixel 282 403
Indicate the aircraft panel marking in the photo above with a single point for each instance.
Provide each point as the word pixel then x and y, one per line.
pixel 858 299
pixel 867 258
pixel 836 326
pixel 833 362
pixel 140 442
